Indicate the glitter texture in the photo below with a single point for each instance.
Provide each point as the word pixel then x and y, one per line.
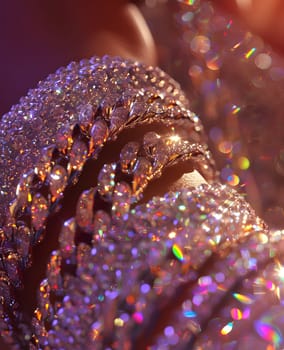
pixel 100 96
pixel 66 121
pixel 207 268
pixel 194 269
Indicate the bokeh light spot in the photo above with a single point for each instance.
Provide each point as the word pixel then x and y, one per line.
pixel 243 163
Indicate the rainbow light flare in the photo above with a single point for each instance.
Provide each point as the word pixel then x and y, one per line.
pixel 243 298
pixel 236 314
pixel 250 53
pixel 269 333
pixel 227 329
pixel 177 252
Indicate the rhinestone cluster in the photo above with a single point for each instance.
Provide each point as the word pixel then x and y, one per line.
pixel 120 94
pixel 186 270
pixel 145 95
pixel 194 269
pixel 48 138
pixel 101 96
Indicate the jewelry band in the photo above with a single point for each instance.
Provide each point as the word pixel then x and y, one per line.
pixel 107 94
pixel 65 122
pixel 142 264
pixel 197 254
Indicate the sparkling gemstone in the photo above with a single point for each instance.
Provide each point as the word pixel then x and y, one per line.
pixel 45 308
pixel 99 134
pixel 157 107
pixel 64 137
pixel 39 211
pixel 128 96
pixel 118 118
pixel 23 241
pixel 23 188
pixel 101 76
pixel 84 210
pixel 174 111
pixel 142 172
pixel 173 147
pixel 106 180
pixel 86 115
pixel 150 142
pixel 102 223
pixel 128 156
pixel 160 154
pixel 83 257
pixel 138 109
pixel 44 164
pixel 53 271
pixel 12 267
pixel 78 155
pixel 108 102
pixel 122 196
pixel 57 180
pixel 66 237
pixel 38 327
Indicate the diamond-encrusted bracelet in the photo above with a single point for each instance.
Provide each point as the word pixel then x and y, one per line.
pixel 48 138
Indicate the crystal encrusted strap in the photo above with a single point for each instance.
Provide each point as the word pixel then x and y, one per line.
pixel 74 145
pixel 48 138
pixel 121 184
pixel 145 95
pixel 101 96
pixel 158 278
pixel 60 164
